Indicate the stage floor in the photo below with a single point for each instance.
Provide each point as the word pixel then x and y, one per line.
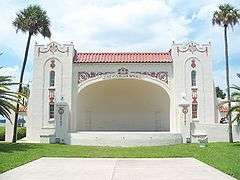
pixel 123 138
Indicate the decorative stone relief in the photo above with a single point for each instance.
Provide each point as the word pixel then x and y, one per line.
pixel 194 103
pixel 51 95
pixel 192 47
pixel 83 75
pixel 60 111
pixel 53 48
pixel 194 95
pixel 52 64
pixel 193 64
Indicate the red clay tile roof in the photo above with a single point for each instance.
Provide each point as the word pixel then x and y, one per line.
pixel 123 58
pixel 223 108
pixel 22 109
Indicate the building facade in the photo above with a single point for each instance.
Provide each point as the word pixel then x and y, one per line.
pixel 121 99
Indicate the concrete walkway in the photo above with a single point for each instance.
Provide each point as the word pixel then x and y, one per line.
pixel 114 169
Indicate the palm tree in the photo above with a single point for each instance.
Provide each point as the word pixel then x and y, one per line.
pixel 7 97
pixel 235 110
pixel 32 20
pixel 226 16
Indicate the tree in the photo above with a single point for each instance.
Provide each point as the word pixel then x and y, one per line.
pixel 220 93
pixel 32 20
pixel 26 93
pixel 235 110
pixel 8 98
pixel 226 16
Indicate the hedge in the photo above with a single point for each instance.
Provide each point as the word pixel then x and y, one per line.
pixel 21 133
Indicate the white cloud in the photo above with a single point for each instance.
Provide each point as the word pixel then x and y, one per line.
pixel 9 71
pixel 14 72
pixel 121 25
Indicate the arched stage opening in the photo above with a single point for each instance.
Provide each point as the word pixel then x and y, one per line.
pixel 123 105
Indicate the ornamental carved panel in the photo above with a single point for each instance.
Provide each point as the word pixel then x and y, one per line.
pixel 123 72
pixel 192 47
pixel 53 47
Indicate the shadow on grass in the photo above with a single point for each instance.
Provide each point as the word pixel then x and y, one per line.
pixel 14 147
pixel 237 144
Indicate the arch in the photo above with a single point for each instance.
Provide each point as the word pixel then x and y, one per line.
pixel 200 86
pixel 200 73
pixel 46 72
pixel 123 104
pixel 60 71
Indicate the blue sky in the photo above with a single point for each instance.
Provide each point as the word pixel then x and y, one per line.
pixel 121 25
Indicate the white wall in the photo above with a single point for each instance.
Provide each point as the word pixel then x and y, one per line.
pixel 183 54
pixel 217 132
pixel 125 105
pixel 38 108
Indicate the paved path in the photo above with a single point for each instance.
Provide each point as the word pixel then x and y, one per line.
pixel 114 169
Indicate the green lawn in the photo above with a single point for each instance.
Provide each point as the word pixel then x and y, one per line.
pixel 223 156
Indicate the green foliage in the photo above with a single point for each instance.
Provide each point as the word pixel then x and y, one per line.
pixel 2 133
pixel 25 93
pixel 226 15
pixel 7 96
pixel 33 20
pixel 223 156
pixel 235 110
pixel 220 93
pixel 21 133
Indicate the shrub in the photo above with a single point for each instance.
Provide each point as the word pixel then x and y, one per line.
pixel 2 133
pixel 21 133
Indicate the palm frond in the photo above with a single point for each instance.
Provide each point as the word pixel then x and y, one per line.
pixel 8 98
pixel 33 20
pixel 226 15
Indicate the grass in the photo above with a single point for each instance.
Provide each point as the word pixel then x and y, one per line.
pixel 223 156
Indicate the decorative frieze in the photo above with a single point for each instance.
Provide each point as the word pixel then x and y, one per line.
pixel 192 47
pixel 122 72
pixel 53 48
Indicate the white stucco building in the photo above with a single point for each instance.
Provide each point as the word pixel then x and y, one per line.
pixel 122 99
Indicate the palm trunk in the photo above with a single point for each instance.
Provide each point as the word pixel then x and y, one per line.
pixel 14 139
pixel 228 88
